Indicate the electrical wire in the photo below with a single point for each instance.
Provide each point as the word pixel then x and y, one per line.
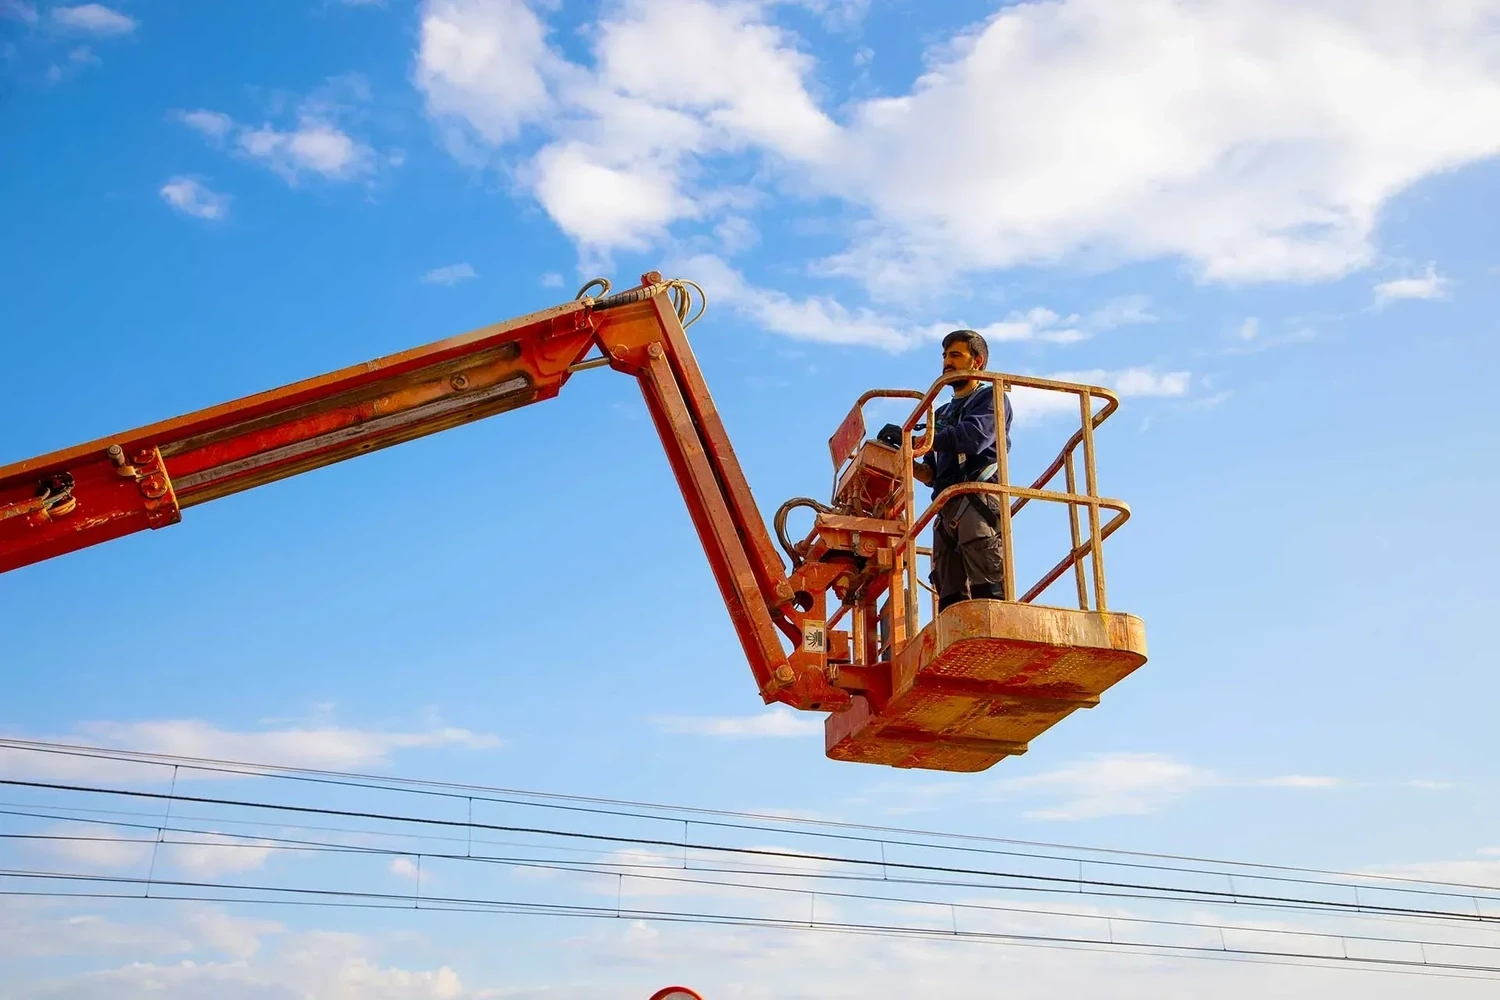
pixel 1178 893
pixel 763 869
pixel 663 874
pixel 753 869
pixel 763 822
pixel 342 897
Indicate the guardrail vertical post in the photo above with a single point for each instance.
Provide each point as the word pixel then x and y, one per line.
pixel 1091 482
pixel 1002 463
pixel 1078 575
pixel 903 599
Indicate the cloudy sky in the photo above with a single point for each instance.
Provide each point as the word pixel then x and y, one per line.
pixel 1269 225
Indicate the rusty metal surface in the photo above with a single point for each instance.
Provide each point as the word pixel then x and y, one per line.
pixel 982 681
pixel 871 484
pixel 634 336
pixel 847 437
pixel 271 435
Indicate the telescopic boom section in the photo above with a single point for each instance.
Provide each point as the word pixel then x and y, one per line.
pixel 145 478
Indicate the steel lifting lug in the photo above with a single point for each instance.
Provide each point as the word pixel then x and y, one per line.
pixel 117 457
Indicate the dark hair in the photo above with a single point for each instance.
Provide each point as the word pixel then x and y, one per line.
pixel 975 342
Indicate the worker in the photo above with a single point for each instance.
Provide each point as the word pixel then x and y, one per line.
pixel 967 552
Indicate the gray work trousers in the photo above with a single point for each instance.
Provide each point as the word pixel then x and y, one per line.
pixel 967 555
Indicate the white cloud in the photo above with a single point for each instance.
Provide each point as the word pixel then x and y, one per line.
pixel 191 197
pixel 37 928
pixel 313 146
pixel 819 318
pixel 1034 405
pixel 18 10
pixel 777 722
pixel 552 280
pixel 1465 872
pixel 590 960
pixel 1430 285
pixel 1120 784
pixel 736 234
pixel 739 74
pixel 481 63
pixel 601 201
pixel 617 171
pixel 1249 330
pixel 97 847
pixel 201 855
pixel 1300 781
pixel 79 56
pixel 93 18
pixel 230 957
pixel 322 746
pixel 207 855
pixel 449 275
pixel 316 144
pixel 826 319
pixel 1428 784
pixel 1095 787
pixel 214 124
pixel 405 867
pixel 1254 141
pixel 837 14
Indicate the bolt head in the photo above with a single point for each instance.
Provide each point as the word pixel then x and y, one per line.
pixel 143 457
pixel 154 486
pixel 654 350
pixel 459 381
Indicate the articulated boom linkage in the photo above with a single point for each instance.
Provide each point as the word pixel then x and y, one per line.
pixel 641 334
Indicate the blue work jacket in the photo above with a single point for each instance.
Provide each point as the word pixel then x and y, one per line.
pixel 963 446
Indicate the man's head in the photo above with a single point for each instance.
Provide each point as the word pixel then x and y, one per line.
pixel 964 351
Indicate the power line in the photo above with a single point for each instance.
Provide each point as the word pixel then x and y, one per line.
pixel 1176 893
pixel 661 873
pixel 1208 895
pixel 621 807
pixel 339 897
pixel 882 878
pixel 758 862
pixel 1300 963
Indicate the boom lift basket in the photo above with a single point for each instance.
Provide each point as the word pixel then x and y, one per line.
pixel 980 680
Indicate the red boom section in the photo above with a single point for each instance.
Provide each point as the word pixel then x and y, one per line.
pixel 144 478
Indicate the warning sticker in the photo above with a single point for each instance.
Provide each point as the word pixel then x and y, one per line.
pixel 814 637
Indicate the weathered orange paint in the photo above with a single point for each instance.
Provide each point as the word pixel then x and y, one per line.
pixel 982 680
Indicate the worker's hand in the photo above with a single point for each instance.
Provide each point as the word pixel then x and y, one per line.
pixel 922 472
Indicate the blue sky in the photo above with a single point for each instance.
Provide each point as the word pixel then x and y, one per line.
pixel 1270 226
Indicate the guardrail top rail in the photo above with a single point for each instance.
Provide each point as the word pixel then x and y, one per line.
pixel 1086 553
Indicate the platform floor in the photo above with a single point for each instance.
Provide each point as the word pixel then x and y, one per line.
pixel 983 680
